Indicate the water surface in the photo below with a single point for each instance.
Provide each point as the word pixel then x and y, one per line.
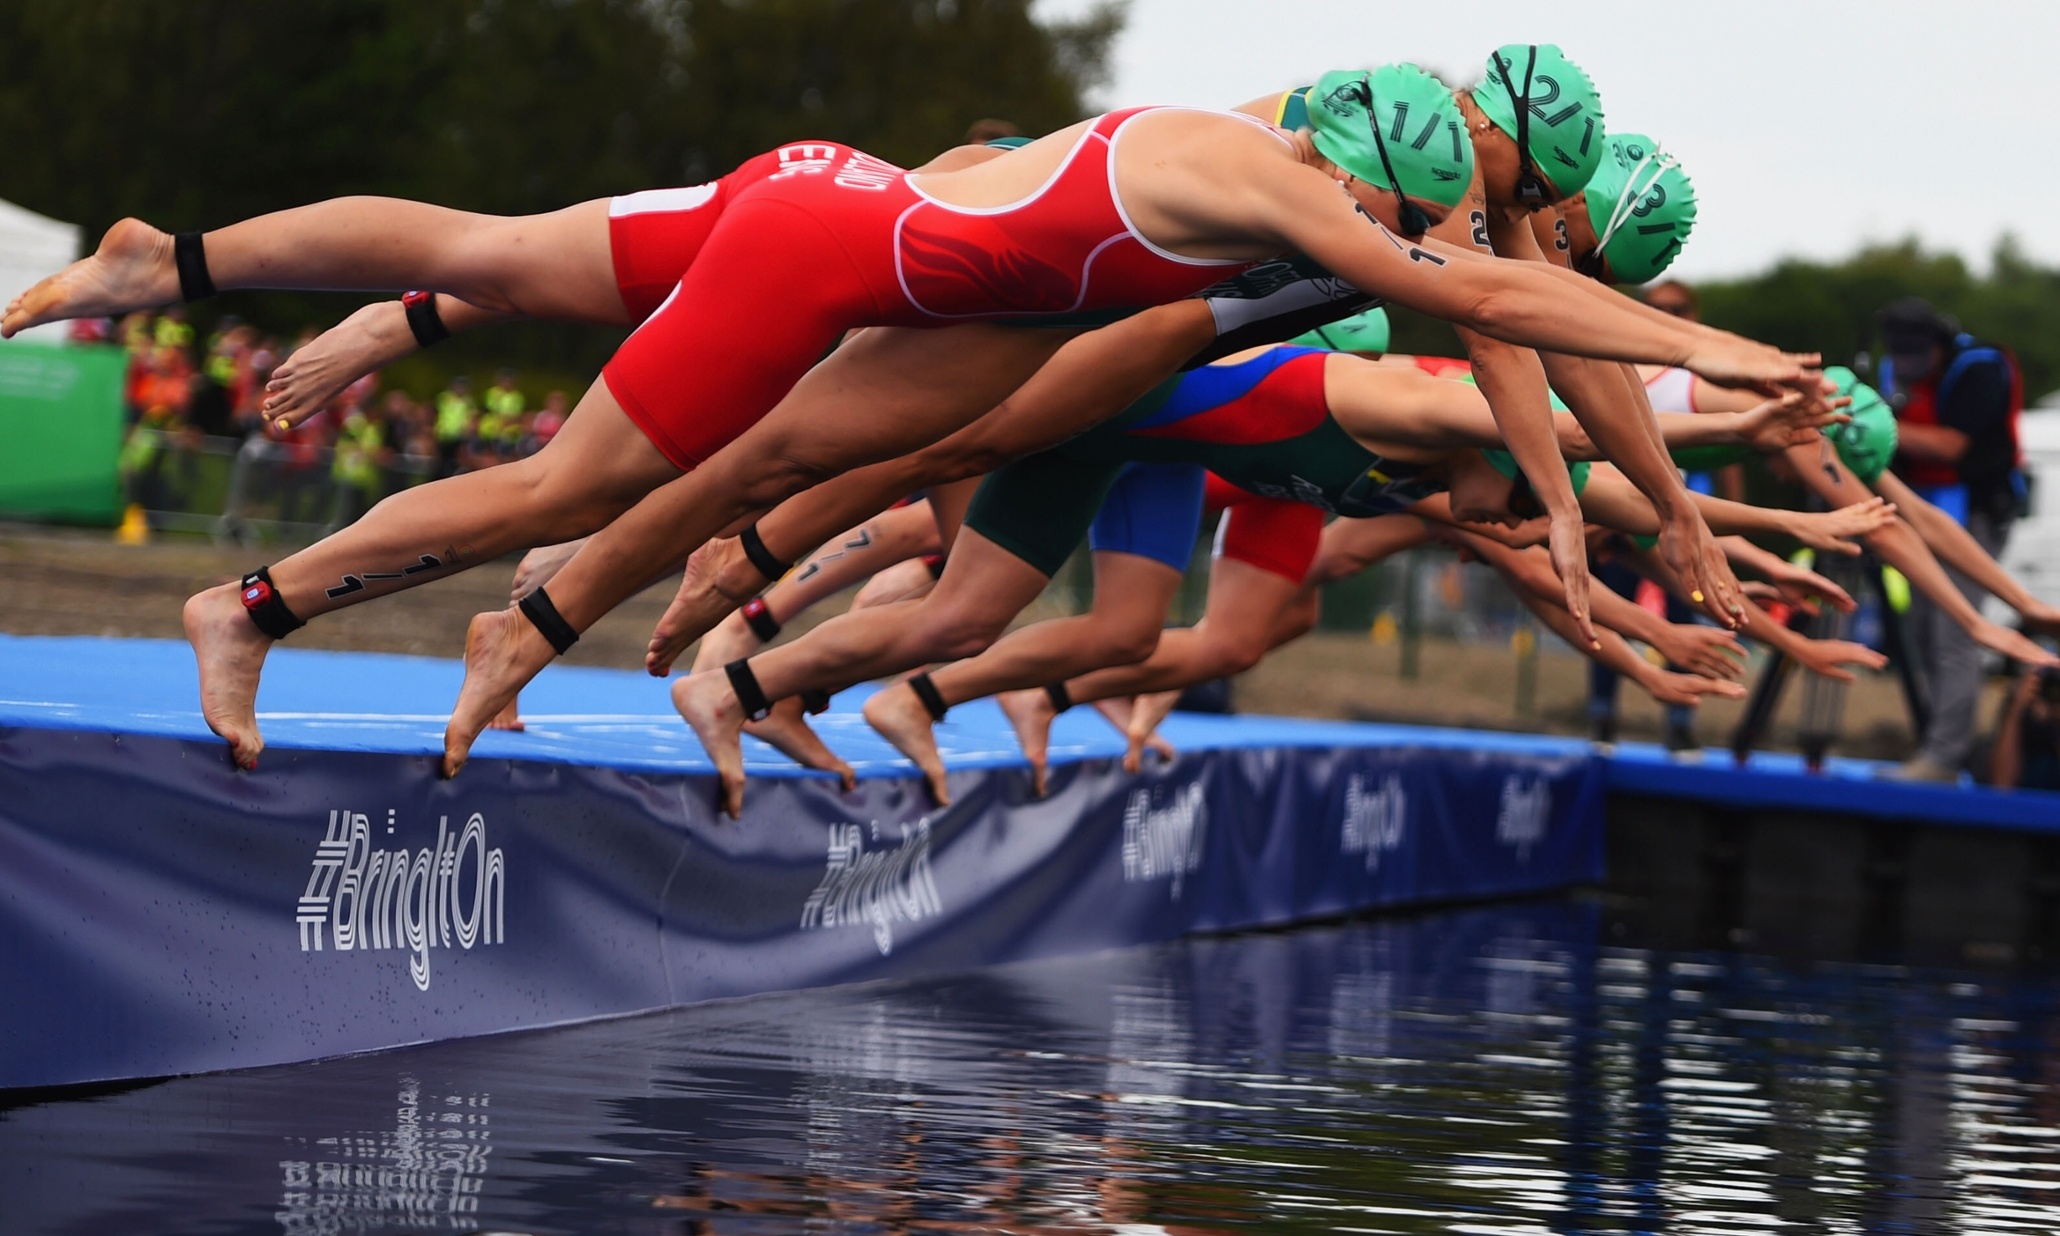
pixel 1482 1071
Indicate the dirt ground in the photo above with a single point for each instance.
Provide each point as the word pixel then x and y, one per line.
pixel 65 582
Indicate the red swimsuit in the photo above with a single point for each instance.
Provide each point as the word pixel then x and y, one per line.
pixel 816 238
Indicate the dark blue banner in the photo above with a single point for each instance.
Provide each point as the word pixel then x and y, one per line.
pixel 164 914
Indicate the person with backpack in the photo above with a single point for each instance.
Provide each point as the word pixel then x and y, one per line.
pixel 1956 402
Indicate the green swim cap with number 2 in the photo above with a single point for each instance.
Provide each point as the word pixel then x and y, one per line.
pixel 1421 131
pixel 1564 125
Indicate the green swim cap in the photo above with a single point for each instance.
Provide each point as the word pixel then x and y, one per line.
pixel 1505 463
pixel 1642 205
pixel 1565 124
pixel 1365 331
pixel 1867 442
pixel 1421 130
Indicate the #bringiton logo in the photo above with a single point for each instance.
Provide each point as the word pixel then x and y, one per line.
pixel 360 897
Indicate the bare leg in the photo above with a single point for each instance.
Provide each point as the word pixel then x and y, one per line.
pixel 984 588
pixel 884 393
pixel 879 543
pixel 555 265
pixel 1091 379
pixel 593 470
pixel 1130 598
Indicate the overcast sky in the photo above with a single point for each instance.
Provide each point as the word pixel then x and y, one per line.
pixel 1808 126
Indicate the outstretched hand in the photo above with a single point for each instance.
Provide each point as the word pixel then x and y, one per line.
pixel 1688 549
pixel 1804 588
pixel 1708 651
pixel 2012 644
pixel 1687 690
pixel 1828 658
pixel 1829 530
pixel 1791 418
pixel 1732 360
pixel 1569 546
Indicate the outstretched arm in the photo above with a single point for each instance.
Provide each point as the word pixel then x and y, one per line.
pixel 1957 548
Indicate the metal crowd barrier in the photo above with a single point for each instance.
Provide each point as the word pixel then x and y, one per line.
pixel 255 489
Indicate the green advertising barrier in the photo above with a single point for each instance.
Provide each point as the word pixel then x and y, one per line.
pixel 60 432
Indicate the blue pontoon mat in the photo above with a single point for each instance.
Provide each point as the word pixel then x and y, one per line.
pixel 164 913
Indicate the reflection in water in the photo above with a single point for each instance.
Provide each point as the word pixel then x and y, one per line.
pixel 1489 1071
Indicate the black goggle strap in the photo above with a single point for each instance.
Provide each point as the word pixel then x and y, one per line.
pixel 1415 222
pixel 926 691
pixel 1061 699
pixel 189 254
pixel 424 322
pixel 750 696
pixel 759 618
pixel 548 622
pixel 1529 185
pixel 267 611
pixel 762 559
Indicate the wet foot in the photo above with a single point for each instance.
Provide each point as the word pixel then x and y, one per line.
pixel 539 566
pixel 503 651
pixel 319 369
pixel 231 654
pixel 132 269
pixel 702 601
pixel 1031 713
pixel 902 720
pixel 788 732
pixel 1146 712
pixel 710 709
pixel 509 718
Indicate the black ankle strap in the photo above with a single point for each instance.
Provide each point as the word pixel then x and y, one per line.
pixel 760 620
pixel 548 622
pixel 936 564
pixel 816 702
pixel 1061 699
pixel 927 692
pixel 268 613
pixel 424 322
pixel 761 557
pixel 189 254
pixel 750 696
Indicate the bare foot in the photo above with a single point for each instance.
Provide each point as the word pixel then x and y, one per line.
pixel 708 705
pixel 509 718
pixel 702 601
pixel 1031 713
pixel 231 653
pixel 132 269
pixel 902 720
pixel 503 651
pixel 539 566
pixel 1143 731
pixel 788 731
pixel 374 336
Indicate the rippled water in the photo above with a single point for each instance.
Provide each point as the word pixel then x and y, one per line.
pixel 1493 1070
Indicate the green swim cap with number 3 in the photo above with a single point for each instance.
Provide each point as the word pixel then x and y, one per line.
pixel 1563 121
pixel 1421 131
pixel 1642 206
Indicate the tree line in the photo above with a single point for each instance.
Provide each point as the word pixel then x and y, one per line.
pixel 195 113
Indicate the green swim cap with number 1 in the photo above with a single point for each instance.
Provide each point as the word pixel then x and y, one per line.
pixel 1422 131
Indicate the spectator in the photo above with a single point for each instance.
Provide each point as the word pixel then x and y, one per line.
pixel 984 131
pixel 1671 296
pixel 457 416
pixel 1955 402
pixel 2026 755
pixel 546 423
pixel 357 472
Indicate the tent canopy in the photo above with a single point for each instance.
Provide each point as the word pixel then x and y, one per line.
pixel 32 247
